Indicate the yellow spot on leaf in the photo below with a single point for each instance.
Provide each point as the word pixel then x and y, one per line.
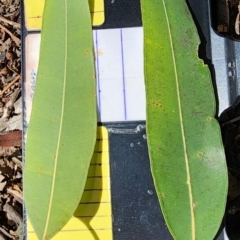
pixel 200 154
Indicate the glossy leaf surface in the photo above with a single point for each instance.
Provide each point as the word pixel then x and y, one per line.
pixel 184 140
pixel 62 130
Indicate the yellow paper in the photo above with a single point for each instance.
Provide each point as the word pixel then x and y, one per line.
pixel 93 218
pixel 34 10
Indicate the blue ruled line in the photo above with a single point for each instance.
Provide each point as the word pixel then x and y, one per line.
pixel 123 77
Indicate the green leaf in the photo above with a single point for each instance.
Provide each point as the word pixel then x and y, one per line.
pixel 62 129
pixel 184 140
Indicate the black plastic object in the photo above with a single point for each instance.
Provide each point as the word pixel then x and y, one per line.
pixel 230 126
pixel 136 210
pixel 226 18
pixel 201 16
pixel 121 14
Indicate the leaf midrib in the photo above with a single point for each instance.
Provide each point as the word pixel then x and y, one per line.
pixel 182 128
pixel 60 127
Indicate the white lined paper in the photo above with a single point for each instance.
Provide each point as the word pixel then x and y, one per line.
pixel 119 72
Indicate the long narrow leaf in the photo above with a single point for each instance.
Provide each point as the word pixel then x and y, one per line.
pixel 186 152
pixel 62 130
